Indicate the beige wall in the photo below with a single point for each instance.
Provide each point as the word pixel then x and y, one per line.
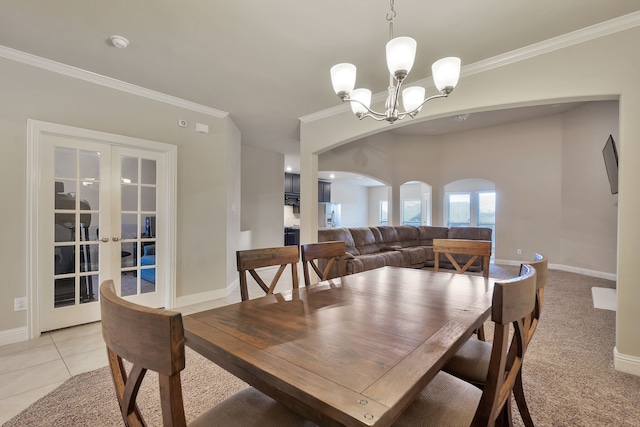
pixel 263 196
pixel 594 70
pixel 203 174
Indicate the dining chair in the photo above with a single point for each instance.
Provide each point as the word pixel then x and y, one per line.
pixel 471 361
pixel 450 401
pixel 251 259
pixel 153 339
pixel 321 257
pixel 473 249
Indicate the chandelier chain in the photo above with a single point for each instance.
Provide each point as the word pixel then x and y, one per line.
pixel 391 16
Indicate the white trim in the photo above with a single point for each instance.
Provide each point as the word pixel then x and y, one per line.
pixel 626 363
pixel 207 296
pixel 602 29
pixel 88 76
pixel 567 268
pixel 12 336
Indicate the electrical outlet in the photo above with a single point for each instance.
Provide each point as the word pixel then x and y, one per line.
pixel 182 123
pixel 20 304
pixel 519 251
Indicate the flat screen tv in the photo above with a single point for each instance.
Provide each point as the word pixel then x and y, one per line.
pixel 610 154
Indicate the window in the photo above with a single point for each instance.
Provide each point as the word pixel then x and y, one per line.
pixel 459 209
pixel 487 208
pixel 411 212
pixel 384 212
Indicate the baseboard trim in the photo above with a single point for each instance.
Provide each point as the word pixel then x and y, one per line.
pixel 207 296
pixel 12 336
pixel 626 363
pixel 567 268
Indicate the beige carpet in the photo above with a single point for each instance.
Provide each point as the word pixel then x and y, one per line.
pixel 568 372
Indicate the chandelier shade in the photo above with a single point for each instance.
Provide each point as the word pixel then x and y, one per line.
pixel 446 73
pixel 343 78
pixel 413 98
pixel 362 97
pixel 401 54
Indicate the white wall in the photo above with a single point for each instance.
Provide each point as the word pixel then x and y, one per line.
pixel 376 195
pixel 353 201
pixel 263 196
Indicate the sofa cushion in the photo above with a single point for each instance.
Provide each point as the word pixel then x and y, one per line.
pixel 365 241
pixel 426 234
pixel 340 235
pixel 389 237
pixel 471 233
pixel 408 235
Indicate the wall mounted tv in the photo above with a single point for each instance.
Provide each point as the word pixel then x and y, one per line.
pixel 610 154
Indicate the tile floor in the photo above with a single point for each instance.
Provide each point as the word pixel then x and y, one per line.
pixel 29 370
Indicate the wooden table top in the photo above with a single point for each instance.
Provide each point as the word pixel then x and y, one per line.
pixel 351 352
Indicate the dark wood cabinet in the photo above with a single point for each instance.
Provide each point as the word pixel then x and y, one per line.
pixel 292 183
pixel 324 192
pixel 291 236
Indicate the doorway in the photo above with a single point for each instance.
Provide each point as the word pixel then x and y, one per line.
pixel 100 207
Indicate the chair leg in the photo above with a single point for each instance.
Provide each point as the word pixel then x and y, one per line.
pixel 505 418
pixel 480 333
pixel 518 393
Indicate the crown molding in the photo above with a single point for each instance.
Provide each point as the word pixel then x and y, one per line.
pixel 602 29
pixel 91 77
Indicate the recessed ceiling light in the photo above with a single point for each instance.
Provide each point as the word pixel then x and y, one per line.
pixel 119 41
pixel 288 168
pixel 332 176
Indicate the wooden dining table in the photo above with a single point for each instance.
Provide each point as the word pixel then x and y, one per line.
pixel 354 351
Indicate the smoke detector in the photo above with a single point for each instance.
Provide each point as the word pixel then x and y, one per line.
pixel 119 41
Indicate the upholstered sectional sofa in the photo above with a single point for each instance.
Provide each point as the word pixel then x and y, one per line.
pixel 399 246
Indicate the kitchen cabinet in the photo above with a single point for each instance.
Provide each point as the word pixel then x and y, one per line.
pixel 324 192
pixel 292 183
pixel 291 236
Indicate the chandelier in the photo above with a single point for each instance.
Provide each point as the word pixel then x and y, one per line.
pixel 401 52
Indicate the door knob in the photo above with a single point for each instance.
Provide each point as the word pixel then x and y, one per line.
pixel 104 239
pixel 115 238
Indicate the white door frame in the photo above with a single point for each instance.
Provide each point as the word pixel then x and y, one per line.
pixel 35 129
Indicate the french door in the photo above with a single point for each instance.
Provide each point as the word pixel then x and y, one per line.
pixel 102 214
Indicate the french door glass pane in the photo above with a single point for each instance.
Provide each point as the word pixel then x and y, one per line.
pixel 139 209
pixel 76 174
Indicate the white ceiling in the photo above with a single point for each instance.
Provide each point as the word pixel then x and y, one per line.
pixel 267 62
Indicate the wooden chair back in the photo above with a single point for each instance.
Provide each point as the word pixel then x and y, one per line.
pixel 324 254
pixel 150 339
pixel 513 300
pixel 475 248
pixel 252 259
pixel 541 266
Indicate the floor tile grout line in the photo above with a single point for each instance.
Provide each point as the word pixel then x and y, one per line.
pixel 62 358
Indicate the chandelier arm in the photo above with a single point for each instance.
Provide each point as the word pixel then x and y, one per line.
pixel 415 111
pixel 371 112
pixel 377 118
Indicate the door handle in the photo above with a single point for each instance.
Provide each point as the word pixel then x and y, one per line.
pixel 104 239
pixel 115 238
